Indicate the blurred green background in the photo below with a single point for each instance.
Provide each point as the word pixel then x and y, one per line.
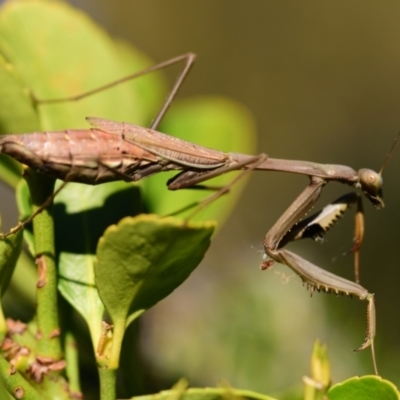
pixel 323 81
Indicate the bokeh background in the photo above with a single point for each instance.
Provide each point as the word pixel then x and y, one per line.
pixel 323 82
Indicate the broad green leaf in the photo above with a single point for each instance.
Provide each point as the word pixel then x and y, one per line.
pixel 78 230
pixel 9 171
pixel 82 197
pixel 150 89
pixel 206 394
pixel 79 56
pixel 369 387
pixel 142 260
pixel 214 122
pixel 76 284
pixel 17 113
pixel 90 211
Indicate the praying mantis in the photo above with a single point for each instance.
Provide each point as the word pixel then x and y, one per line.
pixel 111 151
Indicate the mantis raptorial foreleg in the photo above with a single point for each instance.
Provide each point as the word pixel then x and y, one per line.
pixel 318 224
pixel 288 228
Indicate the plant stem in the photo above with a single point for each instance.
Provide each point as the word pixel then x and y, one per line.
pixel 117 337
pixel 107 383
pixel 40 188
pixel 16 384
pixel 108 366
pixel 71 357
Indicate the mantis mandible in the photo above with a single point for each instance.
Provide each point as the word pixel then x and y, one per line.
pixel 129 152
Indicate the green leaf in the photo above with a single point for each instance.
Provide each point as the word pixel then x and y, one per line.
pixel 17 113
pixel 214 122
pixel 205 394
pixel 139 262
pixel 85 212
pixel 369 387
pixel 86 220
pixel 143 259
pixel 79 56
pixel 76 284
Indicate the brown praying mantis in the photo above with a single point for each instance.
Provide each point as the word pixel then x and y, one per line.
pixel 111 151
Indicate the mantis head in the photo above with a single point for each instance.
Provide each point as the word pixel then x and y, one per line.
pixel 371 185
pixel 371 181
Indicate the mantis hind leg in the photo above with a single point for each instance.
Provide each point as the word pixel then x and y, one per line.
pixel 188 59
pixel 190 179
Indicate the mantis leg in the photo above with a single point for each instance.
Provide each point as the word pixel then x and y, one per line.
pixel 46 204
pixel 192 178
pixel 318 224
pixel 188 58
pixel 314 277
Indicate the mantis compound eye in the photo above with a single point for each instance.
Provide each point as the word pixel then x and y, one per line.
pixel 371 185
